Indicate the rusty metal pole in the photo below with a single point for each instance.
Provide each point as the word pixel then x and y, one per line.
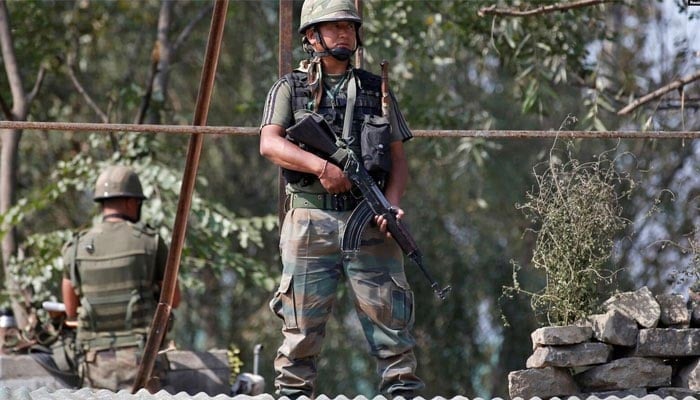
pixel 206 87
pixel 360 55
pixel 284 66
pixel 427 133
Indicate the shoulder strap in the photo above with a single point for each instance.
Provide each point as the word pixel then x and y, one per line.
pixel 349 106
pixel 74 277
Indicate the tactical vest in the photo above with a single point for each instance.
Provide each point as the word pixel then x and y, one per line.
pixel 113 275
pixel 367 102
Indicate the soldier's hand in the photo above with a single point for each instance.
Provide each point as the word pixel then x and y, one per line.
pixel 333 179
pixel 382 222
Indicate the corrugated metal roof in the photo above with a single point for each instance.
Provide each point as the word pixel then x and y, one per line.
pixel 92 394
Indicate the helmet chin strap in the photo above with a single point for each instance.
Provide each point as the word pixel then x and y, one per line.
pixel 339 53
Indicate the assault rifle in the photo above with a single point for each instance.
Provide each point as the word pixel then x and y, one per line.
pixel 315 133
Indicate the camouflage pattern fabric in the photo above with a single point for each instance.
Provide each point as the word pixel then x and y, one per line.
pixel 313 266
pixel 116 369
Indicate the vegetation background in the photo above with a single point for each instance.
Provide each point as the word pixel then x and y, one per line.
pixel 452 67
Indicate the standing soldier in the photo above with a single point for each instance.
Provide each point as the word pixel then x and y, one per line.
pixel 111 283
pixel 319 204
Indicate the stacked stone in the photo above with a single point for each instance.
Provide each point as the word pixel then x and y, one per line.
pixel 642 344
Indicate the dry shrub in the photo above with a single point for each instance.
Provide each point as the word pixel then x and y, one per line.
pixel 576 216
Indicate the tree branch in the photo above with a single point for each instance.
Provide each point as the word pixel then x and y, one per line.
pixel 37 85
pixel 85 94
pixel 146 99
pixel 12 69
pixel 188 29
pixel 511 12
pixel 659 92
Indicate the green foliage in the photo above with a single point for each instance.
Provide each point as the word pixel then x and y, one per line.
pixel 577 217
pixel 39 266
pixel 219 239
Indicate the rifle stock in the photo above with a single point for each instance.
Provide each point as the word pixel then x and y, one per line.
pixel 314 132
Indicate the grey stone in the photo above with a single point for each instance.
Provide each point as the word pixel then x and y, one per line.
pixel 21 366
pixel 688 376
pixel 541 382
pixel 635 392
pixel 625 373
pixel 668 342
pixel 675 392
pixel 193 372
pixel 694 307
pixel 640 306
pixel 695 314
pixel 613 327
pixel 674 310
pixel 575 355
pixel 560 335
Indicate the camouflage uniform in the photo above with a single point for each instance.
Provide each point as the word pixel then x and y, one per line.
pixel 313 266
pixel 313 263
pixel 114 267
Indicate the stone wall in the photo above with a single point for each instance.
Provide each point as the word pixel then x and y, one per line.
pixel 643 344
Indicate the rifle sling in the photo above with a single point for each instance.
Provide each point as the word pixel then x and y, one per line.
pixel 349 107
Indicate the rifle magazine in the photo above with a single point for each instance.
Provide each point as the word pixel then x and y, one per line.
pixel 356 224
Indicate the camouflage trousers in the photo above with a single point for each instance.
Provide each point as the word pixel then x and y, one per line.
pixel 116 369
pixel 312 268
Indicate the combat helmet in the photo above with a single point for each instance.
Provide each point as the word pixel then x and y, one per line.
pixel 118 181
pixel 317 11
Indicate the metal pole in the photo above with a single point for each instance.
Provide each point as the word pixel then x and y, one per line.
pixel 206 86
pixel 429 133
pixel 359 55
pixel 284 66
pixel 145 128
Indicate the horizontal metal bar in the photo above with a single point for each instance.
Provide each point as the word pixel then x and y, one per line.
pixel 98 127
pixel 253 131
pixel 523 134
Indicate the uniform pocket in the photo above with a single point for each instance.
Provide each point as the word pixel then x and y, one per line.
pixel 283 304
pixel 374 140
pixel 402 305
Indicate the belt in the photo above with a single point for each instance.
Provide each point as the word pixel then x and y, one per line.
pixel 113 342
pixel 322 201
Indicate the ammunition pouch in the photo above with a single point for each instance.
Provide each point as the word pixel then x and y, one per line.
pixel 111 340
pixel 375 142
pixel 64 353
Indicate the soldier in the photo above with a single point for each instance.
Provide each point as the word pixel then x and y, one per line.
pixel 111 282
pixel 319 204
